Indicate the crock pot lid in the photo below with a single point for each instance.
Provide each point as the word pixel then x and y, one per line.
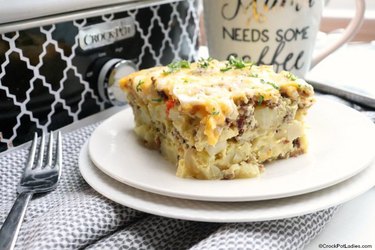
pixel 20 10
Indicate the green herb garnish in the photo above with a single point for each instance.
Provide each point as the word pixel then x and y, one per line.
pixel 157 99
pixel 138 87
pixel 270 83
pixel 273 85
pixel 225 69
pixel 204 63
pixel 235 63
pixel 291 76
pixel 254 75
pixel 260 100
pixel 184 64
pixel 186 80
pixel 176 66
pixel 215 112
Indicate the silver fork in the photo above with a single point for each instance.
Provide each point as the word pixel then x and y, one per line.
pixel 37 178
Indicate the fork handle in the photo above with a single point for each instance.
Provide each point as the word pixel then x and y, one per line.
pixel 12 224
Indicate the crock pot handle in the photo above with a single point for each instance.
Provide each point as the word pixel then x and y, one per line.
pixel 349 32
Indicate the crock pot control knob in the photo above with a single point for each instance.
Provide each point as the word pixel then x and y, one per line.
pixel 109 78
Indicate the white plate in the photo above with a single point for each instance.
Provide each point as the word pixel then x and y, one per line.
pixel 224 211
pixel 341 145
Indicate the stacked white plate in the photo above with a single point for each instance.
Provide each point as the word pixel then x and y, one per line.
pixel 338 167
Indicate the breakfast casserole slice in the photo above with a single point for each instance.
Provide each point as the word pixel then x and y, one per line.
pixel 219 119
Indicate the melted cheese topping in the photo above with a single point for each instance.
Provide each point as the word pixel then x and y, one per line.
pixel 212 92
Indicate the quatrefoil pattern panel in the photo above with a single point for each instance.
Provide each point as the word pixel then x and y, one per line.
pixel 45 75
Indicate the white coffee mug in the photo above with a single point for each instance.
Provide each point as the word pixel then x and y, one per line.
pixel 278 32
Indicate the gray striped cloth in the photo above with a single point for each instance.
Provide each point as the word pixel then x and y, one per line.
pixel 75 216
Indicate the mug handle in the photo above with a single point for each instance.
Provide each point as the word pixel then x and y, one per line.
pixel 349 33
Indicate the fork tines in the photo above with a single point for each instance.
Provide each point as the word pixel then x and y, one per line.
pixel 50 153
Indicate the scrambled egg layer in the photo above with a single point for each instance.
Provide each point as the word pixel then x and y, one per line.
pixel 219 119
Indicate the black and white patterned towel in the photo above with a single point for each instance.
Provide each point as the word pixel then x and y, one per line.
pixel 75 216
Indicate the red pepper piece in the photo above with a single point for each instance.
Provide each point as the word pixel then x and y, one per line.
pixel 170 104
